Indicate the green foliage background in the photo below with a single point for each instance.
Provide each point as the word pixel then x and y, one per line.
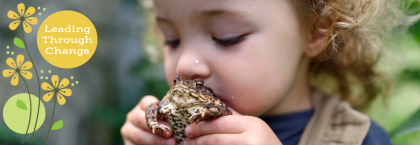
pixel 122 75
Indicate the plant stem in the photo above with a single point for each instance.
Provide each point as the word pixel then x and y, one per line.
pixel 30 106
pixel 39 84
pixel 55 102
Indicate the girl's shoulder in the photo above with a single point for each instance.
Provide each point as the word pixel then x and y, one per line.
pixel 376 135
pixel 335 121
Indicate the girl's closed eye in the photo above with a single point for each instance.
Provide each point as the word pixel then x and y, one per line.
pixel 230 41
pixel 223 42
pixel 172 43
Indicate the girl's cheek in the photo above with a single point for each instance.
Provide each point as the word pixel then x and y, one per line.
pixel 170 63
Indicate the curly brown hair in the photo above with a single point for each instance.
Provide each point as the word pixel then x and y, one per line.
pixel 357 31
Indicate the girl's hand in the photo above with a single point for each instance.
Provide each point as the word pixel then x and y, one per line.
pixel 135 131
pixel 231 129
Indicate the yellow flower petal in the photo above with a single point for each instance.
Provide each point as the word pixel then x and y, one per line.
pixel 30 11
pixel 64 83
pixel 21 9
pixel 54 80
pixel 27 65
pixel 12 15
pixel 65 92
pixel 27 27
pixel 26 74
pixel 61 99
pixel 13 25
pixel 31 20
pixel 46 86
pixel 15 79
pixel 11 62
pixel 47 97
pixel 19 60
pixel 8 72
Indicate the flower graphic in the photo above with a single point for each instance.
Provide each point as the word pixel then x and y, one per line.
pixel 56 89
pixel 22 17
pixel 18 69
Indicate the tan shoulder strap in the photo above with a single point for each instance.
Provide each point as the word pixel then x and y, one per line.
pixel 334 122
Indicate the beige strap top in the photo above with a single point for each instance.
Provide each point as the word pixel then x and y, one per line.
pixel 334 122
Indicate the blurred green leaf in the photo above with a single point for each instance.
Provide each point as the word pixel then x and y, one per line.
pixel 20 104
pixel 410 74
pixel 413 9
pixel 412 124
pixel 57 125
pixel 18 43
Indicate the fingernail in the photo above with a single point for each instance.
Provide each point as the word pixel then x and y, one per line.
pixel 188 130
pixel 185 141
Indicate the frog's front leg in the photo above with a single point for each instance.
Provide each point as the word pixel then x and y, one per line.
pixel 151 119
pixel 210 112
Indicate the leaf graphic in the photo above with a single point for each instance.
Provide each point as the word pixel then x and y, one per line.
pixel 20 104
pixel 18 43
pixel 57 125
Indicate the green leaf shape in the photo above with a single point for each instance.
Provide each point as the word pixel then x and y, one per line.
pixel 18 43
pixel 412 124
pixel 20 104
pixel 57 125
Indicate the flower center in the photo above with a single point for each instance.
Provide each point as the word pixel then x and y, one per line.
pixel 56 90
pixel 17 70
pixel 22 18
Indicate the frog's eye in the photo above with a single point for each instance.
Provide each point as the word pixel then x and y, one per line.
pixel 199 84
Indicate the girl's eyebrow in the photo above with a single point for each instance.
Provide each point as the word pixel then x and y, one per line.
pixel 207 14
pixel 216 13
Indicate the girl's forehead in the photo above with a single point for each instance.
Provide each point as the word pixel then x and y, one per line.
pixel 202 9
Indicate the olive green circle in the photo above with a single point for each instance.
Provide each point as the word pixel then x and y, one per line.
pixel 17 119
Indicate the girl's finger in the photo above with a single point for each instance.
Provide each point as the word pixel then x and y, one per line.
pixel 146 101
pixel 214 139
pixel 135 135
pixel 222 125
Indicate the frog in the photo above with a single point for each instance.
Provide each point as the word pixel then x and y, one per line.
pixel 187 102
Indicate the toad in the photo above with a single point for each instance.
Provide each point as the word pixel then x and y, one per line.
pixel 188 101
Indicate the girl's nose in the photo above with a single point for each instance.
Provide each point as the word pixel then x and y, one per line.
pixel 193 66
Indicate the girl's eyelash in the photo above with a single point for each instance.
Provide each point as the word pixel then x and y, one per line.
pixel 230 41
pixel 223 42
pixel 172 43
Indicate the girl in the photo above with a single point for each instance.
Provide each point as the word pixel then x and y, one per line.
pixel 291 70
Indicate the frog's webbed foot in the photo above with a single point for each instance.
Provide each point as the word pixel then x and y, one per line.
pixel 161 128
pixel 151 120
pixel 196 118
pixel 208 113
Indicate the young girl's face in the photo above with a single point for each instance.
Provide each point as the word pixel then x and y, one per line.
pixel 248 51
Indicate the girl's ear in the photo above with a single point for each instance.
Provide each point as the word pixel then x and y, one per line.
pixel 316 44
pixel 319 36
